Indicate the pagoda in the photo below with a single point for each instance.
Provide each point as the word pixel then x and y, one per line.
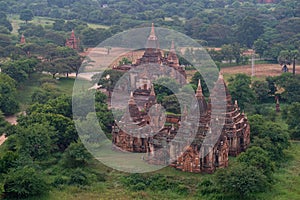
pixel 73 42
pixel 143 112
pixel 23 40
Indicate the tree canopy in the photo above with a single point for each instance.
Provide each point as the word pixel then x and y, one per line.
pixel 8 92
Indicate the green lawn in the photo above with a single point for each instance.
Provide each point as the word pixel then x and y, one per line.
pixel 26 89
pixel 94 26
pixel 65 85
pixel 44 21
pixel 16 22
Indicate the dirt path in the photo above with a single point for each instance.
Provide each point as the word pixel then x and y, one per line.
pixel 261 70
pixel 2 139
pixel 13 121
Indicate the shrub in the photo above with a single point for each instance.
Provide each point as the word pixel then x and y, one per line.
pixel 78 177
pixel 60 181
pixel 24 182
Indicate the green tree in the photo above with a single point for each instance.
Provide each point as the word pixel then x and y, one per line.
pixel 260 46
pixel 8 161
pixel 171 104
pixel 4 21
pixel 15 72
pixel 64 126
pixel 4 30
pixel 240 90
pixel 35 140
pixel 272 52
pixel 291 85
pixel 259 158
pixel 241 181
pixel 288 57
pixel 32 30
pixel 20 69
pixel 4 40
pixel 271 85
pixel 261 90
pixel 257 123
pixel 54 37
pixel 26 15
pixel 46 92
pixel 227 52
pixel 76 156
pixel 108 79
pixel 248 30
pixel 105 117
pixel 24 182
pixel 60 60
pixel 8 103
pixel 165 86
pixel 58 25
pixel 273 138
pixel 292 116
pixel 3 124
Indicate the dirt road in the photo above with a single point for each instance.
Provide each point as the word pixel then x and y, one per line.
pixel 13 121
pixel 260 70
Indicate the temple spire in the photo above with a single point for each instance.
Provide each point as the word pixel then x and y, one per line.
pixel 235 103
pixel 172 57
pixel 152 35
pixel 199 90
pixel 221 76
pixel 277 104
pixel 152 93
pixel 152 42
pixel 23 40
pixel 73 34
pixel 172 49
pixel 131 100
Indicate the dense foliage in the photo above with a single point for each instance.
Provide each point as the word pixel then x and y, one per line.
pixel 43 152
pixel 8 94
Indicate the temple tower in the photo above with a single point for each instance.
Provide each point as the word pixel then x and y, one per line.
pixel 172 57
pixel 23 40
pixel 73 42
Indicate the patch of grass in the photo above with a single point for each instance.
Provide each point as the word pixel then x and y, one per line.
pixel 16 22
pixel 287 178
pixel 94 26
pixel 66 85
pixel 27 88
pixel 44 21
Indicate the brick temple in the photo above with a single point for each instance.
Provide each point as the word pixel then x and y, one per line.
pixel 72 41
pixel 144 111
pixel 22 40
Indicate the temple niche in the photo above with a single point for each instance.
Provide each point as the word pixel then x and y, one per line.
pixel 163 147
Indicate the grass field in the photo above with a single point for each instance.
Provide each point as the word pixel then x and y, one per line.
pixel 16 22
pixel 44 21
pixel 25 91
pixel 94 26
